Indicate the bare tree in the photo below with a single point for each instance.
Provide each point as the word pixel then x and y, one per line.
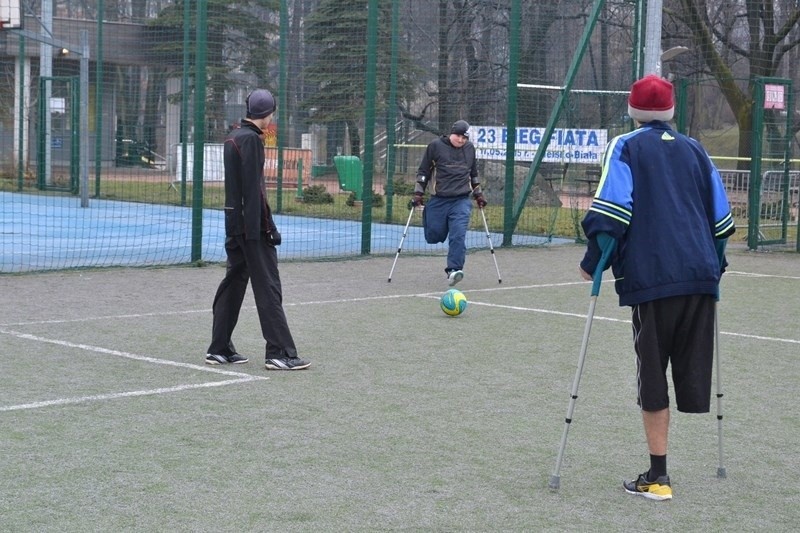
pixel 731 34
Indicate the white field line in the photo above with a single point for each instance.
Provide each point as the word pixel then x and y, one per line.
pixel 359 299
pixel 546 311
pixel 286 304
pixel 240 377
pixel 754 275
pixel 126 355
pixel 417 295
pixel 115 395
pixel 625 321
pixel 372 298
pixel 243 377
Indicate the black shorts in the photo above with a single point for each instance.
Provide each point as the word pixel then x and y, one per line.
pixel 679 332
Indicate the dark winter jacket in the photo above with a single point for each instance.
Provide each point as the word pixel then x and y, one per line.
pixel 246 210
pixel 664 202
pixel 451 171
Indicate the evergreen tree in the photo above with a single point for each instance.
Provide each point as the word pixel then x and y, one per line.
pixel 336 32
pixel 241 42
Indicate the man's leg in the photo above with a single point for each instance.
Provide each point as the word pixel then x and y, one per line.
pixel 434 221
pixel 458 222
pixel 653 339
pixel 228 299
pixel 263 262
pixel 654 484
pixel 656 429
pixel 652 349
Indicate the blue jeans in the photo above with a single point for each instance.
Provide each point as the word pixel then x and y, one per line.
pixel 448 218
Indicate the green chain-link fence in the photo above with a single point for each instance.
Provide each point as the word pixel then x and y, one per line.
pixel 365 83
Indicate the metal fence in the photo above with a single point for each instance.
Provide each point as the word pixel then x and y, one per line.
pixel 111 115
pixel 774 201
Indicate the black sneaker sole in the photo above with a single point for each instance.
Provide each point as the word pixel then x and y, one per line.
pixel 239 361
pixel 271 366
pixel 631 487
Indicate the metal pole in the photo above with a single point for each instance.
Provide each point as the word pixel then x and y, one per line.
pixel 283 99
pixel 369 127
pixel 184 133
pixel 652 47
pixel 400 246
pixel 98 98
pixel 46 72
pixel 84 119
pixel 511 121
pixel 391 114
pixel 637 62
pixel 201 43
pixel 491 248
pixel 299 193
pixel 721 473
pixel 607 245
pixel 22 99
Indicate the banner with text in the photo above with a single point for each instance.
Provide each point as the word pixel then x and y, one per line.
pixel 566 145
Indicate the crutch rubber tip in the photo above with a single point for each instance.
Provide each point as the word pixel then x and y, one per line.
pixel 390 280
pixel 721 473
pixel 555 482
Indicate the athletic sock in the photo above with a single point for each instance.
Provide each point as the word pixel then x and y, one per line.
pixel 658 467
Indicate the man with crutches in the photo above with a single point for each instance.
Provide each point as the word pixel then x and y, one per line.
pixel 449 168
pixel 663 202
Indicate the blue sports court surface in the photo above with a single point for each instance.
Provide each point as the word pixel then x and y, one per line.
pixel 43 232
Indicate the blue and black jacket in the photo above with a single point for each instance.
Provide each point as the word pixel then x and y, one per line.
pixel 662 199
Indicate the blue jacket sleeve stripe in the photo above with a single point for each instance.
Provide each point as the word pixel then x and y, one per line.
pixel 613 199
pixel 724 225
pixel 611 210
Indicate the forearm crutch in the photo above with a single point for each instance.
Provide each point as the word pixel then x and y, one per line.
pixel 719 245
pixel 606 243
pixel 721 473
pixel 491 248
pixel 400 246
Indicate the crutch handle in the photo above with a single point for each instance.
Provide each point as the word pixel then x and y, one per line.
pixel 719 246
pixel 607 243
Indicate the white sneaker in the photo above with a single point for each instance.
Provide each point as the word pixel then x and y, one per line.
pixel 455 276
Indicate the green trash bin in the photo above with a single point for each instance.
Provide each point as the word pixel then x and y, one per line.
pixel 351 174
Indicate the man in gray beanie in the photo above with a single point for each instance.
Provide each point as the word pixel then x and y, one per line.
pixel 449 167
pixel 250 240
pixel 260 104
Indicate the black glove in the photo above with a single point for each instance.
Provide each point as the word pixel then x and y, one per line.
pixel 416 200
pixel 274 238
pixel 480 200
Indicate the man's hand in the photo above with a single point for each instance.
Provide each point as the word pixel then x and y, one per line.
pixel 274 237
pixel 480 200
pixel 416 200
pixel 585 275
